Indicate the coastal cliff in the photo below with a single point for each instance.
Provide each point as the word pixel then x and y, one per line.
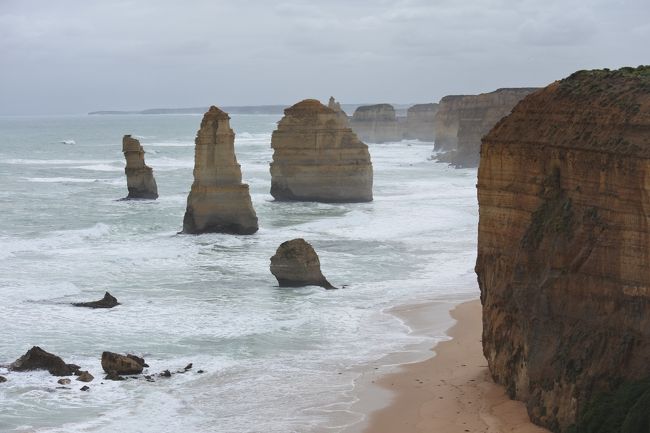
pixel 564 250
pixel 139 176
pixel 462 120
pixel 218 202
pixel 419 122
pixel 376 123
pixel 317 157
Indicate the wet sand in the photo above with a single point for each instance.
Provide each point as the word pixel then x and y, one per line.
pixel 451 392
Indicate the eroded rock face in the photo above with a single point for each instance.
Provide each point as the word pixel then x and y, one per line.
pixel 218 202
pixel 38 359
pixel 419 122
pixel 139 176
pixel 336 106
pixel 317 157
pixel 296 264
pixel 462 120
pixel 376 123
pixel 564 243
pixel 122 364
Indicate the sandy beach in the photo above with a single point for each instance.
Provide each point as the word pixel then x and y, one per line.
pixel 450 392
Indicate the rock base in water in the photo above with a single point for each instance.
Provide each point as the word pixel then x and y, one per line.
pixel 122 364
pixel 296 264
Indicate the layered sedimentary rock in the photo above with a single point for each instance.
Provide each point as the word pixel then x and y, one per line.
pixel 336 106
pixel 218 201
pixel 462 120
pixel 419 122
pixel 564 244
pixel 139 176
pixel 296 264
pixel 317 157
pixel 376 123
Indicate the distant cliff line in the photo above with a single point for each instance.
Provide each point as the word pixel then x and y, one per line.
pixel 242 109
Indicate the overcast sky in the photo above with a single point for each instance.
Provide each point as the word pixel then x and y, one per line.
pixel 75 56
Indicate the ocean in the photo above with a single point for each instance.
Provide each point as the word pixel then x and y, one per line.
pixel 274 359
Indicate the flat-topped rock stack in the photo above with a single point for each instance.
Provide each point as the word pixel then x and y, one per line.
pixel 419 122
pixel 317 157
pixel 376 123
pixel 462 120
pixel 139 176
pixel 218 201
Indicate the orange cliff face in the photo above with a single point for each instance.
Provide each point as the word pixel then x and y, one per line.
pixel 564 243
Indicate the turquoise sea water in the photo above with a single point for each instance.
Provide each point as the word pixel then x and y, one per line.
pixel 275 359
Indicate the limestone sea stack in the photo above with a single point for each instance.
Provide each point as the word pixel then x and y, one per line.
pixel 419 122
pixel 336 106
pixel 296 264
pixel 139 176
pixel 218 202
pixel 564 251
pixel 462 120
pixel 317 157
pixel 376 123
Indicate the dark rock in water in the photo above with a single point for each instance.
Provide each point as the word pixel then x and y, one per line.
pixel 84 388
pixel 200 371
pixel 165 373
pixel 149 378
pixel 296 264
pixel 138 360
pixel 3 379
pixel 38 359
pixel 84 376
pixel 113 375
pixel 108 301
pixel 121 364
pixel 64 381
pixel 188 366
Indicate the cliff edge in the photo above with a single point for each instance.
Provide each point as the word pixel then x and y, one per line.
pixel 564 250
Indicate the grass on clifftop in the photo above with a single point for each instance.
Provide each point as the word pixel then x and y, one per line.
pixel 625 410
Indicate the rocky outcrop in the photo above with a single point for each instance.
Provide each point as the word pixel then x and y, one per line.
pixel 85 376
pixel 462 120
pixel 336 106
pixel 564 245
pixel 38 359
pixel 139 176
pixel 122 364
pixel 108 301
pixel 296 264
pixel 317 157
pixel 376 123
pixel 218 201
pixel 419 122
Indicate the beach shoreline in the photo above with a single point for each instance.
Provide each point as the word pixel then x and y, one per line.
pixel 450 391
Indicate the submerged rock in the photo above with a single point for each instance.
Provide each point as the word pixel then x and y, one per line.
pixel 64 381
pixel 84 376
pixel 296 264
pixel 84 388
pixel 376 123
pixel 317 157
pixel 3 379
pixel 108 301
pixel 38 359
pixel 122 364
pixel 564 247
pixel 218 202
pixel 139 176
